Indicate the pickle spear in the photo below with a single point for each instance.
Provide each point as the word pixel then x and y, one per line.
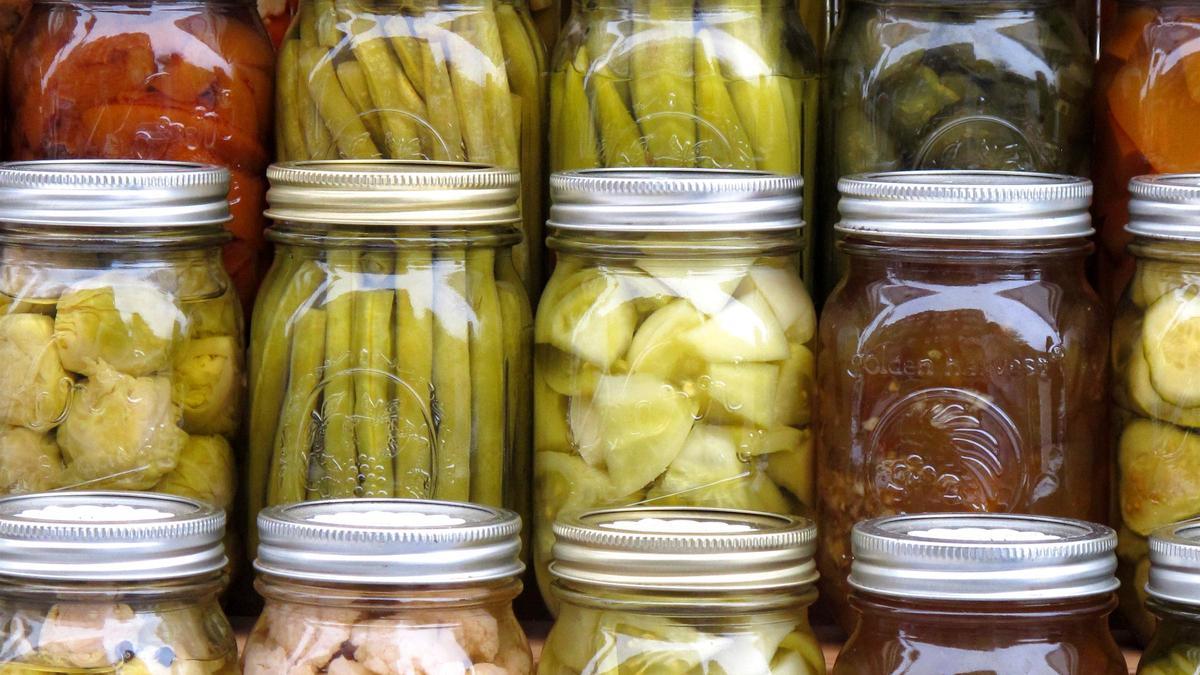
pixel 339 116
pixel 294 438
pixel 371 340
pixel 291 136
pixel 339 460
pixel 488 458
pixel 452 375
pixel 414 363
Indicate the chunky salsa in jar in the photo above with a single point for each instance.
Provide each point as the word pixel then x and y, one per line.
pixel 184 81
pixel 982 593
pixel 961 359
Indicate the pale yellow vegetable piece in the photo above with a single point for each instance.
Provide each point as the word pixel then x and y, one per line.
pixel 797 382
pixel 208 383
pixel 30 461
pixel 206 471
pixel 709 288
pixel 784 291
pixel 745 330
pixel 594 321
pixel 1160 475
pixel 708 471
pixel 34 387
pixel 129 325
pixel 742 392
pixel 656 348
pixel 1171 344
pixel 1145 398
pixel 643 422
pixel 793 470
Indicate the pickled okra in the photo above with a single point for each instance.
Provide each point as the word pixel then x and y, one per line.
pixel 426 80
pixel 672 382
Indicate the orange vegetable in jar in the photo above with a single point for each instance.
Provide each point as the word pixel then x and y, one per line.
pixel 185 81
pixel 1147 104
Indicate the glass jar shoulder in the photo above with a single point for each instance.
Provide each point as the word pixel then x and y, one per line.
pixel 96 636
pixel 591 640
pixel 1175 646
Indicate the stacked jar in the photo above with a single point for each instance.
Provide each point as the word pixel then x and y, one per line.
pixel 716 84
pixel 652 589
pixel 982 593
pixel 109 582
pixel 443 81
pixel 922 85
pixel 390 348
pixel 120 331
pixel 184 81
pixel 962 358
pixel 1146 107
pixel 673 361
pixel 1156 376
pixel 1173 587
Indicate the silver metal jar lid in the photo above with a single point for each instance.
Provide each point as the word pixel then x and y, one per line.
pixel 675 200
pixel 113 193
pixel 1175 563
pixel 966 205
pixel 682 549
pixel 1165 207
pixel 983 557
pixel 389 542
pixel 109 536
pixel 393 192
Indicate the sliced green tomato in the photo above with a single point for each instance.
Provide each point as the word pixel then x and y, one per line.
pixel 745 330
pixel 566 484
pixel 650 645
pixel 1145 399
pixel 797 381
pixel 573 640
pixel 584 419
pixel 594 321
pixel 804 644
pixel 785 292
pixel 647 293
pixel 709 289
pixel 550 411
pixel 709 471
pixel 791 663
pixel 565 373
pixel 1155 278
pixel 793 470
pixel 742 392
pixel 643 422
pixel 1159 475
pixel 757 442
pixel 656 348
pixel 1171 345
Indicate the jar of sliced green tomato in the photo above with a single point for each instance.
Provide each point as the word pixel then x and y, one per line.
pixel 715 84
pixel 672 359
pixel 429 79
pixel 389 355
pixel 96 583
pixel 1173 586
pixel 1156 387
pixel 682 590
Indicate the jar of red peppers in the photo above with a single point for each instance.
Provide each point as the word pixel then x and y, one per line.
pixel 183 80
pixel 1147 103
pixel 961 360
pixel 982 593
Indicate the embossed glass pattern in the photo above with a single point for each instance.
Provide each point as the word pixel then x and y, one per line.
pixel 957 377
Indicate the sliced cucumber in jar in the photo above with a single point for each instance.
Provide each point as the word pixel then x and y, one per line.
pixel 1171 345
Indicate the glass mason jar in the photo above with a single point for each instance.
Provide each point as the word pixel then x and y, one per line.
pixel 681 590
pixel 388 586
pixel 390 351
pixel 94 583
pixel 1146 108
pixel 672 360
pixel 924 84
pixel 120 332
pixel 181 80
pixel 1173 585
pixel 962 356
pixel 428 79
pixel 982 593
pixel 718 84
pixel 1156 383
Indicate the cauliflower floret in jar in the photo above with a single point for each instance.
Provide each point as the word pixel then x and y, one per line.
pixel 34 387
pixel 344 666
pixel 30 461
pixel 121 432
pixel 205 471
pixel 208 385
pixel 79 635
pixel 310 636
pixel 389 647
pixel 127 324
pixel 269 659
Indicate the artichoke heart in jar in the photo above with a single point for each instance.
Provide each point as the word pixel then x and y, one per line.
pixel 120 331
pixel 673 346
pixel 97 583
pixel 683 590
pixel 388 587
pixel 1156 377
pixel 390 351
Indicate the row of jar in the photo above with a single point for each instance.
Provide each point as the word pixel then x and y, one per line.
pixel 720 84
pixel 393 353
pixel 128 583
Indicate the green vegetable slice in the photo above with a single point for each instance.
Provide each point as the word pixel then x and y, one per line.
pixel 643 423
pixel 1160 475
pixel 745 330
pixel 1171 344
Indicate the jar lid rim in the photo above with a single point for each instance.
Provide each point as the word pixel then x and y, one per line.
pixel 1165 206
pixel 1175 563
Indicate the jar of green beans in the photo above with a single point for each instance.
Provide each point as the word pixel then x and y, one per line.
pixel 391 343
pixel 419 79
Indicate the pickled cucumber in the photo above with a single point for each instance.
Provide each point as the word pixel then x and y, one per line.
pixel 1160 475
pixel 1171 345
pixel 407 387
pixel 678 393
